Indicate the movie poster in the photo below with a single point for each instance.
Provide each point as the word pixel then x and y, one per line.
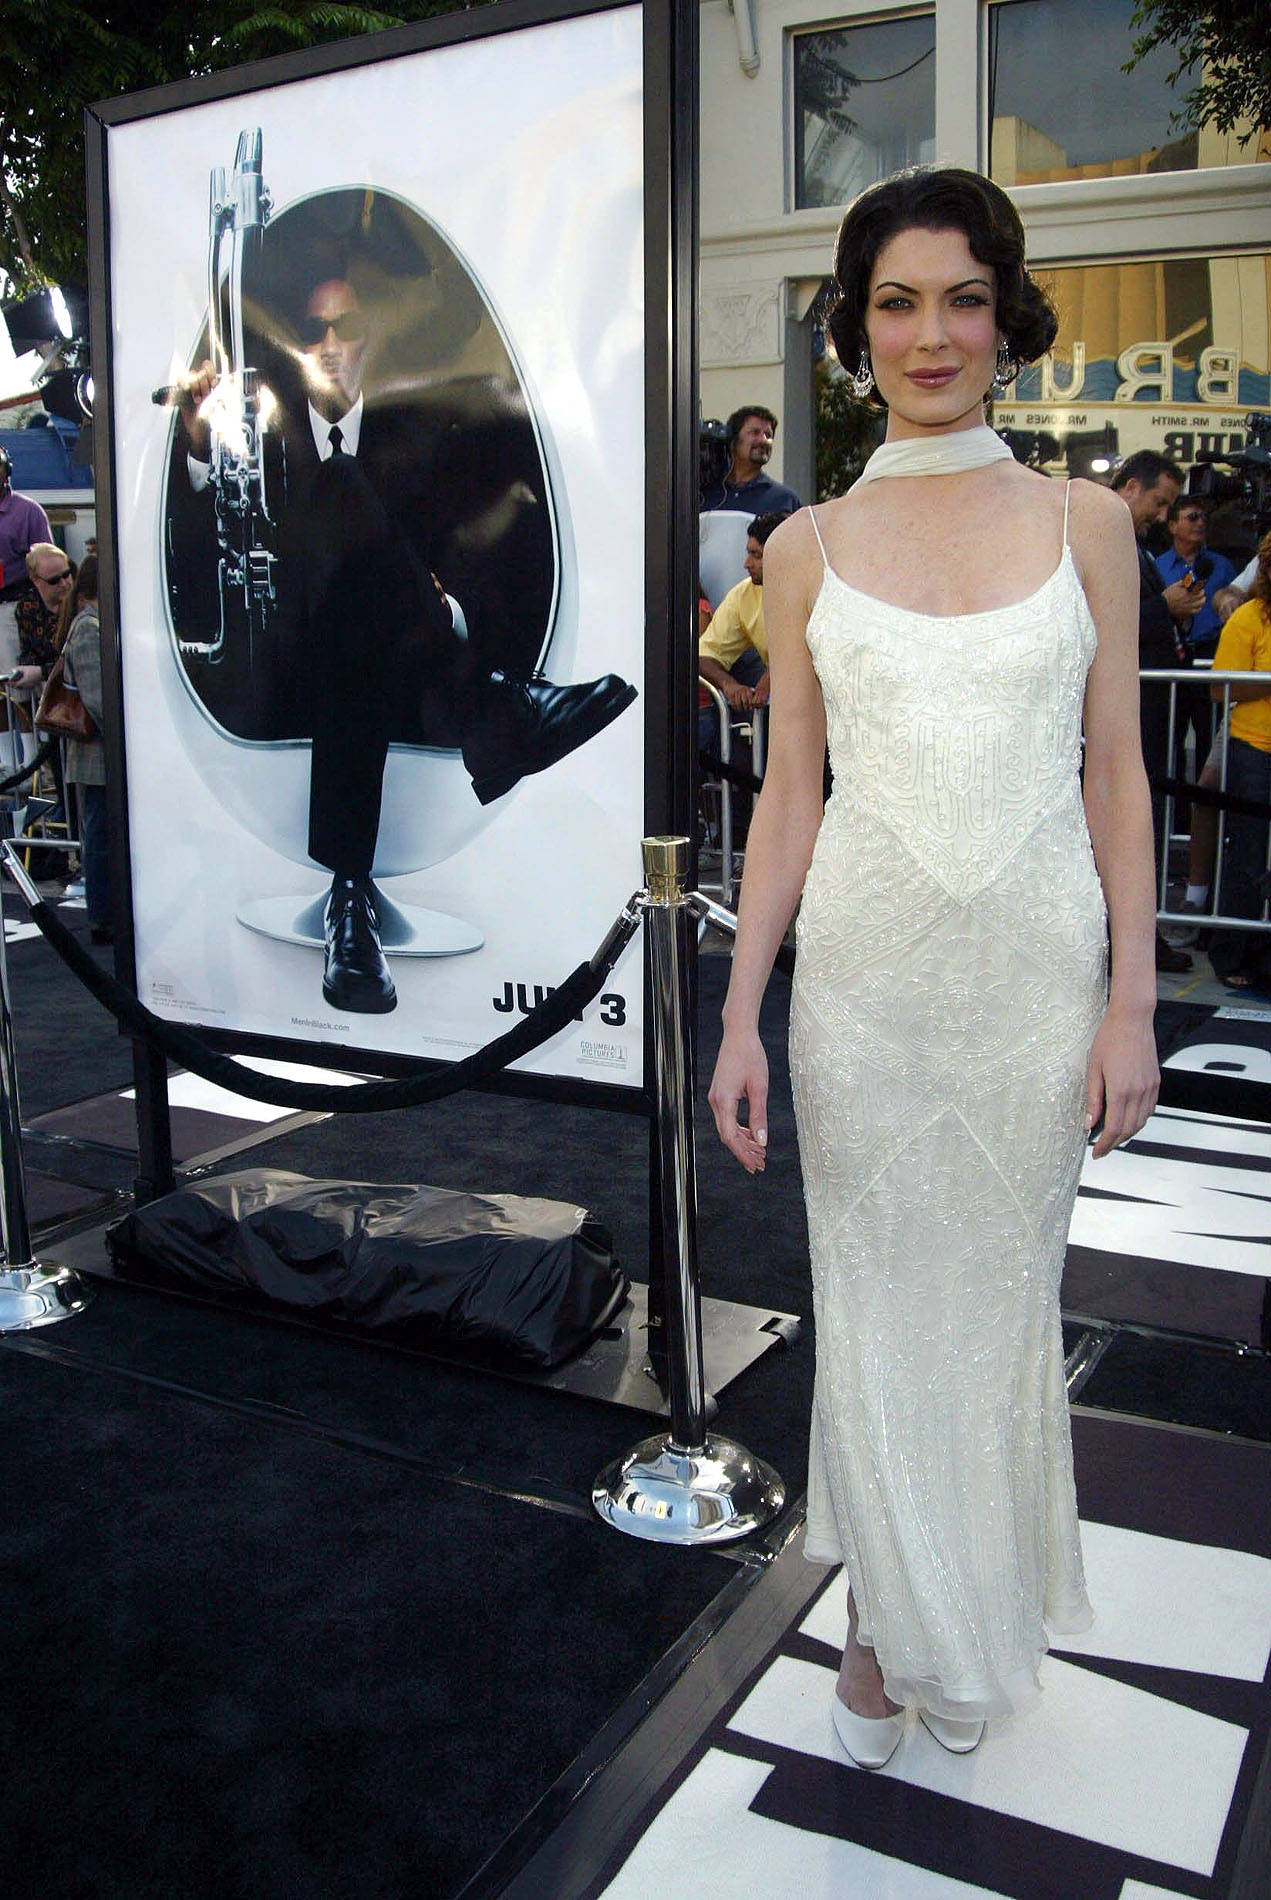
pixel 377 390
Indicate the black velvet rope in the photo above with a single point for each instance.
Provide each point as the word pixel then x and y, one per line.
pixel 1209 795
pixel 736 775
pixel 45 753
pixel 410 1091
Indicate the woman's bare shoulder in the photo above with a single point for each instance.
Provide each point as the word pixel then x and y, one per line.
pixel 1098 510
pixel 1100 527
pixel 794 542
pixel 793 561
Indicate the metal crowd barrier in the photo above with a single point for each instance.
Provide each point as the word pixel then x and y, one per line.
pixel 1199 676
pixel 1203 678
pixel 757 730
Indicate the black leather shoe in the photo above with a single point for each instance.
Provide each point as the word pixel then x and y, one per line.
pixel 356 976
pixel 521 726
pixel 1174 962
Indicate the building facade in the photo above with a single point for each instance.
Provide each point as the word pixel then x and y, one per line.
pixel 1156 245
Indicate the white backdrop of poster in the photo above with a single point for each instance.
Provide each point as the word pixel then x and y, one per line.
pixel 526 150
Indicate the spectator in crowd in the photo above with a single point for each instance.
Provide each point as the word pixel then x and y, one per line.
pixel 1149 484
pixel 1186 558
pixel 746 487
pixel 38 614
pixel 1202 846
pixel 1242 958
pixel 22 523
pixel 86 758
pixel 1188 526
pixel 1241 588
pixel 732 651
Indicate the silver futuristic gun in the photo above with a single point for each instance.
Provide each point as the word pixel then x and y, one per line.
pixel 238 415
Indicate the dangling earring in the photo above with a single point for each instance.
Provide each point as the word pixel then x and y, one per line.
pixel 863 381
pixel 1005 370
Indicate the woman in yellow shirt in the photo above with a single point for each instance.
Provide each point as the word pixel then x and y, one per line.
pixel 1242 958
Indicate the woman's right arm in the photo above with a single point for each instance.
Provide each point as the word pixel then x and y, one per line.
pixel 782 833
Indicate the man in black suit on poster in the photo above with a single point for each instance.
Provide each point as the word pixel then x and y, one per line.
pixel 390 508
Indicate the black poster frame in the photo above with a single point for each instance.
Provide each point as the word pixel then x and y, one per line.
pixel 670 108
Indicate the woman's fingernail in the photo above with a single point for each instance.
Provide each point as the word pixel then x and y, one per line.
pixel 761 1136
pixel 1089 1121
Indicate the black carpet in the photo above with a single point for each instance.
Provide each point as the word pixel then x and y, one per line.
pixel 67 1047
pixel 242 1659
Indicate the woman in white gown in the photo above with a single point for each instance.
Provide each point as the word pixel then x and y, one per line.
pixel 954 622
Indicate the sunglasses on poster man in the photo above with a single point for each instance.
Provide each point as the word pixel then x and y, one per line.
pixel 349 328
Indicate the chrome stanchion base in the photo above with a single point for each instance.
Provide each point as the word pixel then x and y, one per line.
pixel 406 930
pixel 37 1296
pixel 671 1496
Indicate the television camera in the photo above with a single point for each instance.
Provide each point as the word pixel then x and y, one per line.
pixel 1242 476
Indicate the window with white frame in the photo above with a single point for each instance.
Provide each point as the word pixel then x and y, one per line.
pixel 864 104
pixel 1060 105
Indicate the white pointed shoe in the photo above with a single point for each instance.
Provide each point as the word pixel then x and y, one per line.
pixel 871 1741
pixel 958 1737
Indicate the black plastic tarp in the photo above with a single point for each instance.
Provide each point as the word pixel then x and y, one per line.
pixel 498 1274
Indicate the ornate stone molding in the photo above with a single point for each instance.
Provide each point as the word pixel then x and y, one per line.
pixel 740 323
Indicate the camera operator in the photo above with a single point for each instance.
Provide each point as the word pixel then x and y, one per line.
pixel 744 485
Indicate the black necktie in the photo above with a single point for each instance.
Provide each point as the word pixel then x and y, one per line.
pixel 336 440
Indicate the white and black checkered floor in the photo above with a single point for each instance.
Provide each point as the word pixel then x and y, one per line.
pixel 1132 1779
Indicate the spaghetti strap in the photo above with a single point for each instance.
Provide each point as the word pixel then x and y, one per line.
pixel 1067 492
pixel 817 532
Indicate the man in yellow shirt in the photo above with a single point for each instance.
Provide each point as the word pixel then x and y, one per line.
pixel 1242 959
pixel 733 652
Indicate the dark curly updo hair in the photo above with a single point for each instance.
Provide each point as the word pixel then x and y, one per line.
pixel 938 198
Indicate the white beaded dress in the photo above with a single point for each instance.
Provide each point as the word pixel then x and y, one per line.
pixel 950 977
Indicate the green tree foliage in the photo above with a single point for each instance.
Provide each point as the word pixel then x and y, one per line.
pixel 1225 46
pixel 847 433
pixel 56 57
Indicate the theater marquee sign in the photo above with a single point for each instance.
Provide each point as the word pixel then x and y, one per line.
pixel 1169 355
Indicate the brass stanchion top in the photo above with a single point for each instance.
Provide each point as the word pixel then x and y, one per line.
pixel 665 868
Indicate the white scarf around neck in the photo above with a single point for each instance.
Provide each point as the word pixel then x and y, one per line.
pixel 936 454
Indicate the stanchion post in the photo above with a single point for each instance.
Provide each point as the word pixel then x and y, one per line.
pixel 30 1295
pixel 667 922
pixel 686 1486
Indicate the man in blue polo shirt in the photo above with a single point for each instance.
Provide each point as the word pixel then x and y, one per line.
pixel 1188 526
pixel 746 487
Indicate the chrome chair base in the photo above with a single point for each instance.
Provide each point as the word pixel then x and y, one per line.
pixel 406 930
pixel 37 1296
pixel 671 1496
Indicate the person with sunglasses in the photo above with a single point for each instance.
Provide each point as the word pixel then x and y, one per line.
pixel 23 524
pixel 390 511
pixel 38 614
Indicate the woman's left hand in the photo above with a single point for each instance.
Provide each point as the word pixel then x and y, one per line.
pixel 1122 1079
